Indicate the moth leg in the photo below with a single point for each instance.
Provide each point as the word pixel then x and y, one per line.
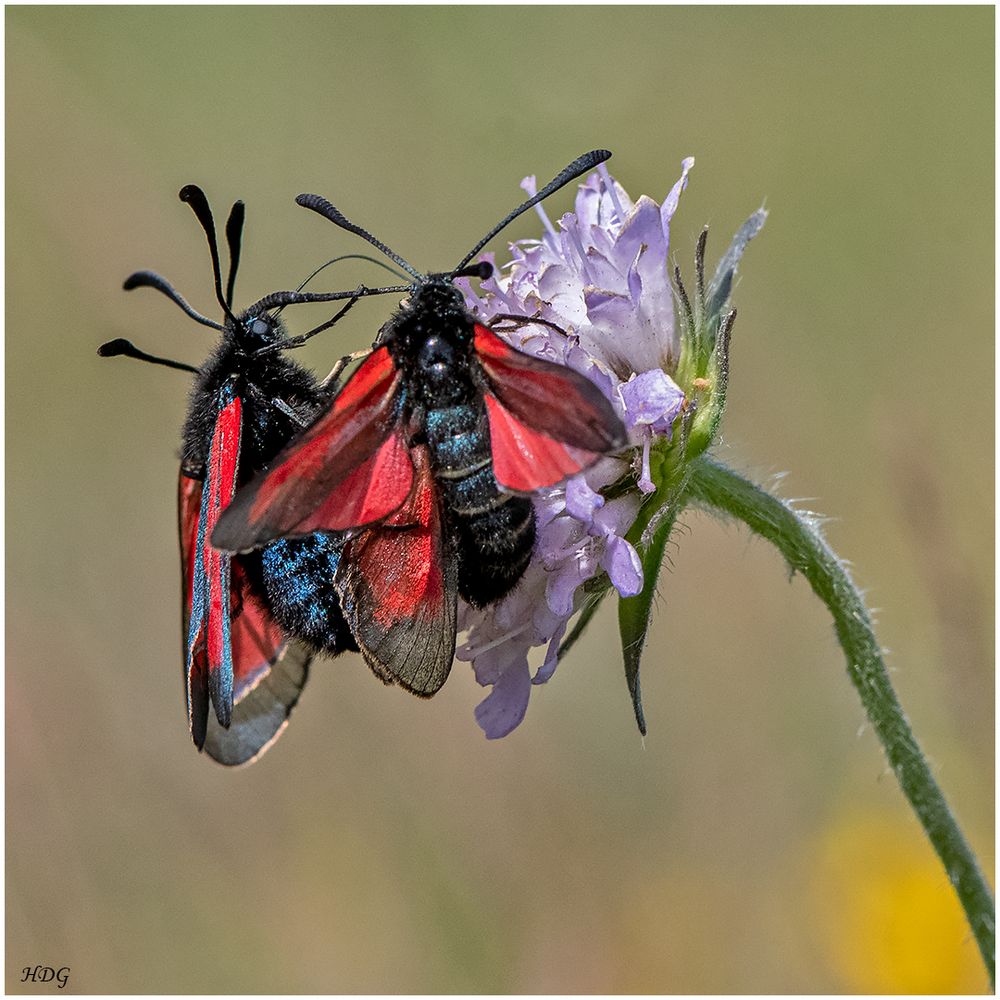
pixel 338 369
pixel 516 322
pixel 278 404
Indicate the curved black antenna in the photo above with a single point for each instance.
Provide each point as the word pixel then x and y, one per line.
pixel 125 348
pixel 195 197
pixel 234 239
pixel 351 256
pixel 292 342
pixel 322 207
pixel 482 270
pixel 346 256
pixel 295 298
pixel 579 166
pixel 149 279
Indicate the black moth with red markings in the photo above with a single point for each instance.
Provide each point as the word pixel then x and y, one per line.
pixel 251 623
pixel 427 459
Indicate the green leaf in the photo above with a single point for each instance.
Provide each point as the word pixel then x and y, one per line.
pixel 721 285
pixel 634 613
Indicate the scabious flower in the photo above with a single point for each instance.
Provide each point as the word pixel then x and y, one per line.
pixel 602 278
pixel 600 281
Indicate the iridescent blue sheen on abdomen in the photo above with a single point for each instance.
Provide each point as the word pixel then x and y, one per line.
pixel 298 575
pixel 495 530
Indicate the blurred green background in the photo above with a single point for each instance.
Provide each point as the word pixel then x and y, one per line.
pixel 756 843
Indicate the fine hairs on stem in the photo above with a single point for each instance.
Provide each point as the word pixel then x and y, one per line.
pixel 721 491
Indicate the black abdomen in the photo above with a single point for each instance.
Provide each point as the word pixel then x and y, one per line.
pixel 297 575
pixel 494 532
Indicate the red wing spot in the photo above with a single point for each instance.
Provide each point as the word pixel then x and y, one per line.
pixel 370 493
pixel 401 559
pixel 352 412
pixel 489 346
pixel 411 579
pixel 369 380
pixel 256 638
pixel 221 480
pixel 525 460
pixel 550 401
pixel 189 504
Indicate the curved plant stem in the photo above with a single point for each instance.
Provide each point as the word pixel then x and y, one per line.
pixel 720 489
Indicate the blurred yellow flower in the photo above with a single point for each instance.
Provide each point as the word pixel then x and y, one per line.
pixel 889 921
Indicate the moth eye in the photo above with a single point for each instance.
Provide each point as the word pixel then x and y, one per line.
pixel 259 327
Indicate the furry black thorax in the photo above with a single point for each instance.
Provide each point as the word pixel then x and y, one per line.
pixel 258 379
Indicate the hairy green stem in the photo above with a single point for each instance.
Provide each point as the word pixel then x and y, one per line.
pixel 723 491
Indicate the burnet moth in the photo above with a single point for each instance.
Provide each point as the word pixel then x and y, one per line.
pixel 427 458
pixel 252 622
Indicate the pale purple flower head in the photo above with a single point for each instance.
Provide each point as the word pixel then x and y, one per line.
pixel 601 276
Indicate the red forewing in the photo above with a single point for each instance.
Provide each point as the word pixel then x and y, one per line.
pixel 236 657
pixel 524 459
pixel 398 586
pixel 195 662
pixel 349 468
pixel 188 505
pixel 547 422
pixel 209 651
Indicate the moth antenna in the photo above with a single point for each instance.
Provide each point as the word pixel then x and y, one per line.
pixel 347 256
pixel 282 299
pixel 195 197
pixel 149 279
pixel 234 239
pixel 125 348
pixel 579 166
pixel 482 270
pixel 322 207
pixel 352 256
pixel 291 342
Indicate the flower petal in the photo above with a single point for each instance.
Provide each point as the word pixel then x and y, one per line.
pixel 651 398
pixel 502 710
pixel 624 567
pixel 560 588
pixel 672 200
pixel 548 668
pixel 581 500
